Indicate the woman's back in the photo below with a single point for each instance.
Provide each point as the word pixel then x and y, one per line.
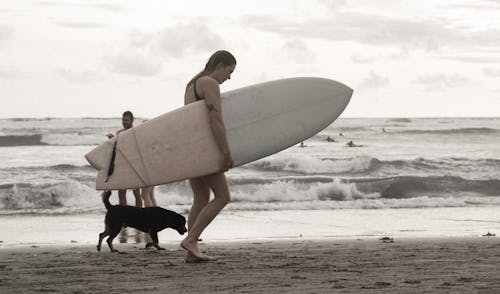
pixel 193 94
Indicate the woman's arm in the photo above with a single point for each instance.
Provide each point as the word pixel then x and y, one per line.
pixel 211 91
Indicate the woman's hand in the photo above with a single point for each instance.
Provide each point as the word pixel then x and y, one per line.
pixel 227 162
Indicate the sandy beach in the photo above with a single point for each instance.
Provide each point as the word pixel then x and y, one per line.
pixel 447 265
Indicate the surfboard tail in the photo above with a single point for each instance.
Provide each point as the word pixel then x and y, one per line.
pixel 125 175
pixel 100 156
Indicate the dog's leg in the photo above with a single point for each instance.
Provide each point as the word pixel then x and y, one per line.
pixel 101 236
pixel 154 236
pixel 148 245
pixel 113 233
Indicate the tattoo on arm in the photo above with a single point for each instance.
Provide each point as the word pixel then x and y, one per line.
pixel 211 107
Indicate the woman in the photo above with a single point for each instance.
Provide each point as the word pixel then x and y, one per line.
pixel 205 86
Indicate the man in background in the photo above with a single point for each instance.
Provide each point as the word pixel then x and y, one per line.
pixel 127 123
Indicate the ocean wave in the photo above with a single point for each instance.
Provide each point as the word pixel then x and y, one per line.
pixel 352 129
pixel 456 131
pixel 21 119
pixel 23 140
pixel 436 186
pixel 399 120
pixel 313 165
pixel 423 202
pixel 81 138
pixel 402 187
pixel 71 196
pixel 71 167
pixel 376 203
pixel 57 167
pixel 482 168
pixel 366 165
pixel 269 194
pixel 267 180
pixel 48 196
pixel 100 118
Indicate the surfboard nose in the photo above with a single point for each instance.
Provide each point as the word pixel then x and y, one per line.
pixel 343 95
pixel 336 93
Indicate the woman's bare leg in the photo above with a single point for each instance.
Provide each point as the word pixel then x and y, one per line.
pixel 201 197
pixel 218 184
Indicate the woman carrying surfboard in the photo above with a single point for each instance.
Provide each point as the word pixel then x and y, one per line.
pixel 205 86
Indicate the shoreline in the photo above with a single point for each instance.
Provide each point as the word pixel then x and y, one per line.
pixel 248 226
pixel 408 265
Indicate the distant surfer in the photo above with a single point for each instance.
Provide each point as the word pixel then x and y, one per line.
pixel 330 139
pixel 205 86
pixel 351 144
pixel 302 145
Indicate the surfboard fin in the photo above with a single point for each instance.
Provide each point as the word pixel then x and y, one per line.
pixel 111 168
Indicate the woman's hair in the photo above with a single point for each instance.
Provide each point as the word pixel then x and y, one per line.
pixel 221 56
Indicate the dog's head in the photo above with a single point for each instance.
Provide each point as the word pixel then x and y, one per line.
pixel 177 222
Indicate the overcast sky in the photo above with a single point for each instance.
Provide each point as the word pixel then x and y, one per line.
pixel 74 58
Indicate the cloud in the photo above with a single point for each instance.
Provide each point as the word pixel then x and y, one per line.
pixel 134 63
pixel 10 74
pixel 188 38
pixel 480 5
pixel 359 59
pixel 333 4
pixel 6 33
pixel 374 81
pixel 440 82
pixel 81 24
pixel 50 3
pixel 101 6
pixel 492 72
pixel 425 34
pixel 141 40
pixel 146 52
pixel 84 77
pixel 297 50
pixel 472 59
pixel 178 41
pixel 106 6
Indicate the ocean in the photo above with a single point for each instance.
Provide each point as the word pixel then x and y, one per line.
pixel 432 176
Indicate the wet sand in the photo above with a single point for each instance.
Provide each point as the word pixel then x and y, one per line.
pixel 448 265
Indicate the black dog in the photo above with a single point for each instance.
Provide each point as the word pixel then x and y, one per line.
pixel 149 220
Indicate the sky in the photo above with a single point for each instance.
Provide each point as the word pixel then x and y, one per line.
pixel 98 58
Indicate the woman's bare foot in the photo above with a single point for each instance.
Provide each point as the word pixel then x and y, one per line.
pixel 194 251
pixel 190 258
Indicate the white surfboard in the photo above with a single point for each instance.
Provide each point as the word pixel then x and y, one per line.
pixel 260 120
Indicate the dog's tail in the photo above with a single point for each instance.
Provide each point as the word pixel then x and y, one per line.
pixel 105 199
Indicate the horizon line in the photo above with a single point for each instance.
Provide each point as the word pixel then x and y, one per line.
pixel 140 117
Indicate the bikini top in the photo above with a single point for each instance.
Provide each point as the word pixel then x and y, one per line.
pixel 196 93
